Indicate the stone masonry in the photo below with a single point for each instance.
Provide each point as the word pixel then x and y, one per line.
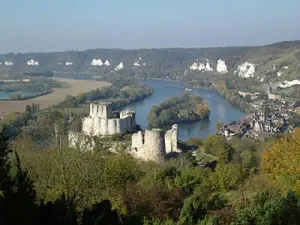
pixel 153 145
pixel 102 121
pixel 171 139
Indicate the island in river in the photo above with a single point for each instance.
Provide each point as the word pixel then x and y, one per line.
pixel 188 107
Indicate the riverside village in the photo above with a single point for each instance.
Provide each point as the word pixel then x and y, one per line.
pixel 273 115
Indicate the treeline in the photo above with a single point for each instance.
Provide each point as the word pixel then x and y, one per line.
pixel 40 74
pixel 186 108
pixel 119 95
pixel 233 97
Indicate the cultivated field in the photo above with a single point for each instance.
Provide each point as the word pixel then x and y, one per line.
pixel 58 95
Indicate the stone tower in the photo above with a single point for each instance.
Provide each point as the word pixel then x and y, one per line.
pixel 149 146
pixel 171 139
pixel 102 110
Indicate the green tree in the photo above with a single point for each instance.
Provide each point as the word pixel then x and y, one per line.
pixel 265 209
pixel 218 146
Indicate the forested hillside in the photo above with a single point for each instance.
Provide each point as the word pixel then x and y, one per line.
pixel 158 63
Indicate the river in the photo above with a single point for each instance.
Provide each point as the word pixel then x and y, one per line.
pixel 221 110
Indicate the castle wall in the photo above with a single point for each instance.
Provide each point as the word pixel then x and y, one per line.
pixel 171 139
pixel 103 110
pixel 101 122
pixel 87 126
pixel 150 146
pixel 97 126
pixel 137 141
pixel 80 141
pixel 154 144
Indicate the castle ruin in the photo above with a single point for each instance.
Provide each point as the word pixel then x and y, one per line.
pixel 153 145
pixel 171 139
pixel 149 145
pixel 102 121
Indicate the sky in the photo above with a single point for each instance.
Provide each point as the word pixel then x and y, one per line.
pixel 59 25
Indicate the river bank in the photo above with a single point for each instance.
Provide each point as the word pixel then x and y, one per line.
pixel 229 95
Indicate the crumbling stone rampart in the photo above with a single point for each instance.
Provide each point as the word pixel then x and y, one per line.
pixel 153 145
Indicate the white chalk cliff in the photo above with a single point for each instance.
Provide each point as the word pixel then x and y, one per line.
pixel 69 63
pixel 97 62
pixel 139 63
pixel 119 67
pixel 287 84
pixel 8 63
pixel 201 66
pixel 245 70
pixel 221 66
pixel 32 62
pixel 107 63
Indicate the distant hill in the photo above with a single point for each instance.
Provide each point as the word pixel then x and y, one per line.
pixel 279 61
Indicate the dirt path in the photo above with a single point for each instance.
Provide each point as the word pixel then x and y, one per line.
pixel 58 95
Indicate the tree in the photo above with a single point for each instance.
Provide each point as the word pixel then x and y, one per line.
pixel 265 209
pixel 247 98
pixel 219 125
pixel 218 146
pixel 203 110
pixel 60 211
pixel 280 163
pixel 99 214
pixel 17 195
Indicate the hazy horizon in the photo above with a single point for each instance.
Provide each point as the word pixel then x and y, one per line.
pixel 49 26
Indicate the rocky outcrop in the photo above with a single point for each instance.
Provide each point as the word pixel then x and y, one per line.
pixel 287 84
pixel 69 63
pixel 97 62
pixel 107 63
pixel 8 63
pixel 201 66
pixel 139 63
pixel 245 70
pixel 221 67
pixel 32 62
pixel 119 67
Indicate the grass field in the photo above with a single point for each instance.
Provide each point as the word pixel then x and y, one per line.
pixel 74 88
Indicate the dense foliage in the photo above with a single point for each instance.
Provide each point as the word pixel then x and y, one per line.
pixel 185 108
pixel 176 192
pixel 40 74
pixel 119 95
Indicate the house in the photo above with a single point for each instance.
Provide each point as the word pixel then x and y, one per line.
pixel 297 110
pixel 274 97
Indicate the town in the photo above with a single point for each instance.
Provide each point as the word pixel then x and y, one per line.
pixel 273 114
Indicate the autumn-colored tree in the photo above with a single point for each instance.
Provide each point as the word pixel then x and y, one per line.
pixel 280 163
pixel 203 110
